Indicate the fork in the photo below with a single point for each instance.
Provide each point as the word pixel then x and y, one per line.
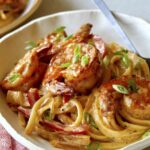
pixel 108 14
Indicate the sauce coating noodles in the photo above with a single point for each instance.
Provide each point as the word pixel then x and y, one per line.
pixel 79 92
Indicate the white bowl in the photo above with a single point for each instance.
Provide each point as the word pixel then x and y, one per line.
pixel 12 48
pixel 31 7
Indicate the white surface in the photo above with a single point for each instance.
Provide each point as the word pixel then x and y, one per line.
pixel 10 53
pixel 31 7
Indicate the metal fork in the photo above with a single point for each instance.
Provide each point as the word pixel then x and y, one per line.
pixel 108 14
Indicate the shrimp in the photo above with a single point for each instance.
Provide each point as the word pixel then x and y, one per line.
pixel 31 67
pixel 25 74
pixel 47 47
pixel 137 104
pixel 118 115
pixel 77 64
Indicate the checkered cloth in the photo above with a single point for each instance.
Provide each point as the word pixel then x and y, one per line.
pixel 7 142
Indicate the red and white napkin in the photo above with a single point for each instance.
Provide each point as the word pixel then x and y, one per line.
pixel 7 142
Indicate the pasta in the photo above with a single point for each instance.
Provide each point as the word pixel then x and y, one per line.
pixel 79 92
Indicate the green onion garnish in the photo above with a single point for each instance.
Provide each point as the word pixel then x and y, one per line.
pixel 48 115
pixel 121 52
pixel 59 29
pixel 120 88
pixel 125 60
pixel 68 37
pixel 94 146
pixel 124 56
pixel 14 77
pixel 84 60
pixel 65 65
pixel 77 54
pixel 30 45
pixel 106 61
pixel 77 49
pixel 89 120
pixel 76 58
pixel 132 86
pixel 87 117
pixel 146 134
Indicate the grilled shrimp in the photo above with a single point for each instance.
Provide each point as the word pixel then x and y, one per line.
pixel 30 69
pixel 136 103
pixel 48 46
pixel 121 108
pixel 77 64
pixel 25 74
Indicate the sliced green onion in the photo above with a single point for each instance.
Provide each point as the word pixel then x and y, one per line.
pixel 132 86
pixel 30 45
pixel 14 77
pixel 59 29
pixel 48 115
pixel 106 61
pixel 76 58
pixel 77 49
pixel 68 37
pixel 89 120
pixel 58 38
pixel 87 117
pixel 77 54
pixel 120 88
pixel 84 60
pixel 124 55
pixel 146 134
pixel 65 65
pixel 122 51
pixel 94 146
pixel 125 60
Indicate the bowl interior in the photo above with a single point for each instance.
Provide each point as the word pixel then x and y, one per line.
pixel 12 49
